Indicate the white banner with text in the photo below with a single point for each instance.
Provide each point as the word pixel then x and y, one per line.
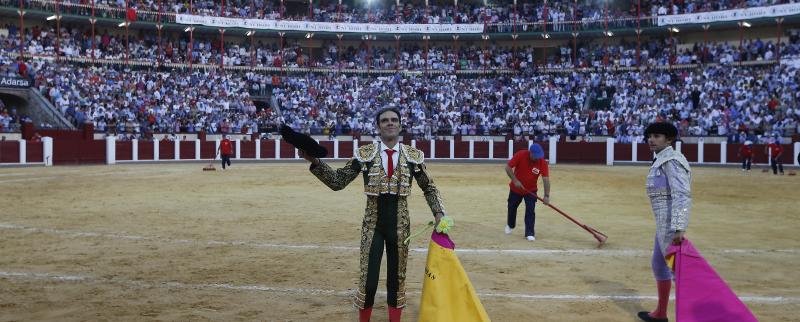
pixel 313 26
pixel 731 15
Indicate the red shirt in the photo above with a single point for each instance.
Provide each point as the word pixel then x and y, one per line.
pixel 527 171
pixel 775 149
pixel 225 147
pixel 773 103
pixel 746 151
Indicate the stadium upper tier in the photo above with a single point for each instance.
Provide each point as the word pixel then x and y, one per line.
pixel 74 44
pixel 496 17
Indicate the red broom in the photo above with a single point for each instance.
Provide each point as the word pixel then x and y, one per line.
pixel 210 166
pixel 601 238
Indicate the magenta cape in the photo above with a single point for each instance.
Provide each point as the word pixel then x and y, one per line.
pixel 701 295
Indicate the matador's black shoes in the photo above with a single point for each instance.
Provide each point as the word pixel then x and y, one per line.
pixel 645 316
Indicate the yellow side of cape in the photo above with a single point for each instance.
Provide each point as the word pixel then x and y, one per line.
pixel 447 294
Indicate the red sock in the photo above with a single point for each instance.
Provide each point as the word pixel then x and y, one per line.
pixel 394 314
pixel 364 314
pixel 663 299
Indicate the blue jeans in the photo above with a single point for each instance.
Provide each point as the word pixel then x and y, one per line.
pixel 776 164
pixel 225 159
pixel 514 200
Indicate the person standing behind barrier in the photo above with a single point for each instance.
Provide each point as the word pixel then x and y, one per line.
pixel 776 150
pixel 524 169
pixel 669 189
pixel 225 150
pixel 746 153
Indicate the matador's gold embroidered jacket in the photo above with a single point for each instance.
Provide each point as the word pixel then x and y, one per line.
pixel 367 163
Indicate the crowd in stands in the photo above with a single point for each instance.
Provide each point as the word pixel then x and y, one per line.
pixel 144 47
pixel 137 102
pixel 710 101
pixel 559 13
pixel 10 120
pixel 718 100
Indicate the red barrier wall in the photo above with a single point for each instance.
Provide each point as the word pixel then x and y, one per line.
pixel 481 150
pixel 79 152
pixel 733 152
pixel 581 152
pixel 9 152
pixel 623 152
pixel 145 150
pixel 328 145
pixel 166 150
pixel 689 151
pixel 788 154
pixel 124 150
pixel 267 149
pixel 425 147
pixel 443 149
pixel 187 150
pixel 287 150
pixel 523 145
pixel 501 150
pixel 760 154
pixel 208 150
pixel 35 152
pixel 461 150
pixel 345 149
pixel 59 135
pixel 711 153
pixel 248 150
pixel 644 153
pixel 71 151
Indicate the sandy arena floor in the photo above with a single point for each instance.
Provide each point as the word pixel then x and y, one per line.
pixel 268 242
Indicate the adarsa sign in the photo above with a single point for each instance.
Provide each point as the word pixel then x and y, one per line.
pixel 14 82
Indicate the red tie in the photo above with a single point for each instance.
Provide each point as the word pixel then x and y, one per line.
pixel 390 170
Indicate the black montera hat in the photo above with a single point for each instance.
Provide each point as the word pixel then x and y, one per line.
pixel 665 128
pixel 303 142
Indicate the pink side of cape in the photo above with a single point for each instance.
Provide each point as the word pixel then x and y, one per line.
pixel 443 240
pixel 701 295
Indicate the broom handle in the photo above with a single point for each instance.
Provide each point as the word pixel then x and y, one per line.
pixel 591 230
pixel 554 207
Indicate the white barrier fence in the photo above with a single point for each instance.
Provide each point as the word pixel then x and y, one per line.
pixel 453 152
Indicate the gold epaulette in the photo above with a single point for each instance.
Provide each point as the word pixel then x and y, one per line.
pixel 367 153
pixel 413 155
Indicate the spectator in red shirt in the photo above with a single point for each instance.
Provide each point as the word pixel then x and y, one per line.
pixel 746 153
pixel 524 169
pixel 225 150
pixel 776 151
pixel 22 69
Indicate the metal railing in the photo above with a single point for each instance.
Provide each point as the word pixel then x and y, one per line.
pixel 142 64
pixel 112 12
